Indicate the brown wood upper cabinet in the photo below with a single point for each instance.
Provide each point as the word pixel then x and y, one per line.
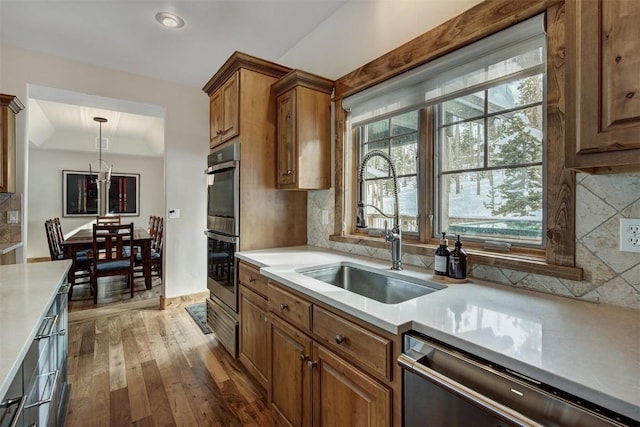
pixel 224 111
pixel 9 107
pixel 603 88
pixel 303 131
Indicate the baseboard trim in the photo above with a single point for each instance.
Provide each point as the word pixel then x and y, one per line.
pixel 40 259
pixel 183 299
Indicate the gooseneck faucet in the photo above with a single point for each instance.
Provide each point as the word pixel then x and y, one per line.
pixel 394 235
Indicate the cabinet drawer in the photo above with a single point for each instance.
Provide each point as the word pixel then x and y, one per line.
pixel 252 279
pixel 290 307
pixel 366 348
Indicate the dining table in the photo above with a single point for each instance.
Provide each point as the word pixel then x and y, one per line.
pixel 83 240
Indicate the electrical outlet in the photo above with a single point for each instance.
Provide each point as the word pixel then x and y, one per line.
pixel 12 217
pixel 630 234
pixel 325 217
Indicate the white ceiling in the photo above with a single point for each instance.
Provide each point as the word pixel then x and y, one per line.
pixel 124 35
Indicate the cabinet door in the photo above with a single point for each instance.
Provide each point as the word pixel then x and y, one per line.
pixel 343 395
pixel 253 334
pixel 603 95
pixel 230 107
pixel 287 139
pixel 215 119
pixel 289 374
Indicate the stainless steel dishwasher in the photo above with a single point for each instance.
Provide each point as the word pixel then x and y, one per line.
pixel 444 386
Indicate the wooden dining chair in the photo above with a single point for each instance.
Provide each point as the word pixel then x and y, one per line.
pixel 108 257
pixel 79 272
pixel 108 220
pixel 156 231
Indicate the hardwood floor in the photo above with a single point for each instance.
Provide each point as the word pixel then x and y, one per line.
pixel 131 364
pixel 113 291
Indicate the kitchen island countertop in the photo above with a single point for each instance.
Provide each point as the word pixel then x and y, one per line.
pixel 589 350
pixel 26 291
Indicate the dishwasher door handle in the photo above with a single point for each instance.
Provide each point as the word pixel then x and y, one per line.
pixel 412 365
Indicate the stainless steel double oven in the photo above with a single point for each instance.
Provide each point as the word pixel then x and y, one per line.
pixel 223 238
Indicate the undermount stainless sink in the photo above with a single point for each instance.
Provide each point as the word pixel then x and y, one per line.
pixel 384 286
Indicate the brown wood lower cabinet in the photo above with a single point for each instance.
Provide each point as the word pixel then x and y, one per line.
pixel 308 384
pixel 289 374
pixel 253 351
pixel 344 395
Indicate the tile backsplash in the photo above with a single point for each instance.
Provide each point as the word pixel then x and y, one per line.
pixel 610 276
pixel 10 233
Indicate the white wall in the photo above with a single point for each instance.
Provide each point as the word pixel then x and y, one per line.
pixel 361 31
pixel 45 200
pixel 186 147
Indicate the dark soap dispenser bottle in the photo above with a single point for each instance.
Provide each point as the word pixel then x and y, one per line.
pixel 441 265
pixel 458 262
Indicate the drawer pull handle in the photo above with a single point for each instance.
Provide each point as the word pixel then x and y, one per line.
pixel 340 339
pixel 283 307
pixel 303 357
pixel 311 364
pixel 251 279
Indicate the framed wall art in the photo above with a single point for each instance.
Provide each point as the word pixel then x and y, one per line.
pixel 80 194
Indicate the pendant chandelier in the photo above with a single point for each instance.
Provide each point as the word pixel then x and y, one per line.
pixel 102 172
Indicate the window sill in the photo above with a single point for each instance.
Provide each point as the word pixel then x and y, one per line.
pixel 526 263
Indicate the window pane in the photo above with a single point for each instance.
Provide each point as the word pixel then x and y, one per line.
pixel 404 150
pixel 404 123
pixel 462 146
pixel 505 205
pixel 380 194
pixel 516 137
pixel 465 107
pixel 376 130
pixel 515 94
pixel 376 166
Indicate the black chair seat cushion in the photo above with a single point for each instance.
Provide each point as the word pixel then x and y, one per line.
pixel 113 265
pixel 154 255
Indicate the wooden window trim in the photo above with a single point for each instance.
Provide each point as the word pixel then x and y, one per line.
pixel 488 17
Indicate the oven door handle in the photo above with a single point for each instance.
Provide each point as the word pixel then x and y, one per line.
pixel 509 415
pixel 221 237
pixel 232 164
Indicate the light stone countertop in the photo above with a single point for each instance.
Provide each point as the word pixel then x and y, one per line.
pixel 26 292
pixel 589 350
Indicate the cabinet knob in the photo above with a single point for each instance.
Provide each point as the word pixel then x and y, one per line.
pixel 266 319
pixel 303 357
pixel 311 364
pixel 289 172
pixel 340 339
pixel 283 307
pixel 218 132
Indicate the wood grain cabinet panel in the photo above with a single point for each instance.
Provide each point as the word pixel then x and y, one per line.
pixel 290 376
pixel 251 278
pixel 253 352
pixel 303 131
pixel 224 111
pixel 345 396
pixel 603 89
pixel 290 307
pixel 309 384
pixel 371 350
pixel 9 107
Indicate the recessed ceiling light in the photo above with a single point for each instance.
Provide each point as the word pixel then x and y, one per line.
pixel 169 20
